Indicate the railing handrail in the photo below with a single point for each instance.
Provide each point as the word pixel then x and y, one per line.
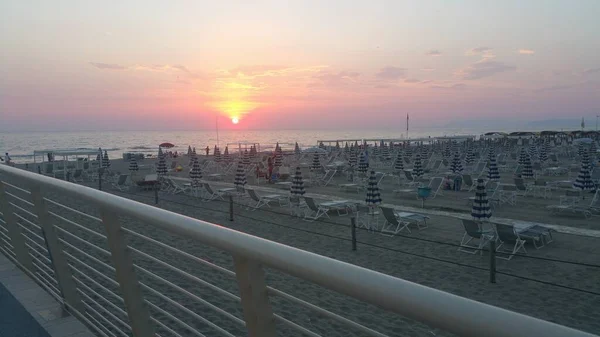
pixel 443 310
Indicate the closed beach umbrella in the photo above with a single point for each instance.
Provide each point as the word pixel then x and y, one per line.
pixel 362 164
pixel 581 149
pixel 373 196
pixel 417 167
pixel 584 178
pixel 352 160
pixel 297 188
pixel 189 152
pixel 375 150
pixel 278 156
pixel 481 209
pixel 527 172
pixel 316 163
pixel 194 151
pixel 456 165
pixel 469 158
pixel 161 167
pixel 246 158
pixel 493 173
pixel 240 175
pixel 195 173
pixel 522 156
pixel 297 149
pixel 408 151
pixel 217 154
pixel 346 148
pixel 543 154
pixel 385 153
pixel 99 155
pixel 337 145
pixel 532 150
pixel 226 156
pixel 105 160
pixel 133 165
pixel 399 162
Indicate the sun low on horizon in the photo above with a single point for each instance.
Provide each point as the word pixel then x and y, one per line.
pixel 235 120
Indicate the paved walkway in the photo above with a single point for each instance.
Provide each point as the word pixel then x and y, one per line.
pixel 26 310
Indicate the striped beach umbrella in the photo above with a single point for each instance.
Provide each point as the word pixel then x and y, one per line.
pixel 447 150
pixel 194 151
pixel 322 146
pixel 337 145
pixel 418 167
pixel 399 162
pixel 543 154
pixel 469 157
pixel 133 165
pixel 527 172
pixel 375 150
pixel 346 148
pixel 297 149
pixel 316 162
pixel 246 158
pixel 373 196
pixel 297 188
pixel 352 159
pixel 105 160
pixel 362 164
pixel 226 156
pixel 456 165
pixel 240 176
pixel 99 156
pixel 217 154
pixel 161 167
pixel 493 173
pixel 195 172
pixel 522 156
pixel 532 150
pixel 593 151
pixel 385 153
pixel 584 178
pixel 189 151
pixel 278 156
pixel 481 209
pixel 581 149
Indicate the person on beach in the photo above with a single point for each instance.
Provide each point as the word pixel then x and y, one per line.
pixel 207 150
pixel 270 166
pixel 7 159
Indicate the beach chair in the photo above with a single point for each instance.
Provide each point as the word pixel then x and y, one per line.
pixel 522 188
pixel 570 198
pixel 326 178
pixel 77 176
pixel 435 167
pixel 508 235
pixel 211 194
pixel 436 185
pixel 468 182
pixel 392 225
pixel 264 200
pixel 314 211
pixel 586 210
pixel 121 182
pixel 410 178
pixel 473 231
pixel 178 186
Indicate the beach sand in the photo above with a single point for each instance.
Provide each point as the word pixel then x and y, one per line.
pixel 414 260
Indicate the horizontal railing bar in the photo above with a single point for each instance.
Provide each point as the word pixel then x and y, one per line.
pixel 97 323
pixel 87 321
pixel 295 326
pixel 189 294
pixel 434 307
pixel 108 291
pixel 73 210
pixel 110 314
pixel 164 326
pixel 174 319
pixel 42 264
pixel 47 277
pixel 104 299
pixel 188 311
pixel 6 236
pixel 31 232
pixel 16 187
pixel 105 265
pixel 113 282
pixel 85 242
pixel 104 319
pixel 8 251
pixel 29 203
pixel 325 313
pixel 27 221
pixel 186 275
pixel 36 244
pixel 22 209
pixel 78 225
pixel 7 243
pixel 48 283
pixel 175 250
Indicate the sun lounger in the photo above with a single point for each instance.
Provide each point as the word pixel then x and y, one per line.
pixel 264 200
pixel 508 234
pixel 393 224
pixel 315 211
pixel 121 182
pixel 474 232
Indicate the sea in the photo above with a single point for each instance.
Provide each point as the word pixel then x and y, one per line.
pixel 21 145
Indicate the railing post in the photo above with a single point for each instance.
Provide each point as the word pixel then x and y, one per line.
pixel 156 187
pixel 137 310
pixel 492 261
pixel 353 228
pixel 14 231
pixel 255 300
pixel 66 284
pixel 230 207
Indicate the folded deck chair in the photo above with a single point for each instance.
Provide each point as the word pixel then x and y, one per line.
pixel 264 200
pixel 473 231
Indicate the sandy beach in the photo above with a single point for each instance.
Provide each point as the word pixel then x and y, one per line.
pixel 428 257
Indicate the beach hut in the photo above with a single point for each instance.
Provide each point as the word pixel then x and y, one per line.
pixel 417 167
pixel 105 160
pixel 195 173
pixel 456 165
pixel 161 167
pixel 363 165
pixel 399 162
pixel 584 178
pixel 316 162
pixel 481 209
pixel 527 172
pixel 373 196
pixel 297 188
pixel 240 176
pixel 493 173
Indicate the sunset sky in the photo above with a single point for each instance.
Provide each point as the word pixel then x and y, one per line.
pixel 149 65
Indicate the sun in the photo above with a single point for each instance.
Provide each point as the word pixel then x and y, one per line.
pixel 235 120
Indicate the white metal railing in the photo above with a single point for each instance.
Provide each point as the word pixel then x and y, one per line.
pixel 104 273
